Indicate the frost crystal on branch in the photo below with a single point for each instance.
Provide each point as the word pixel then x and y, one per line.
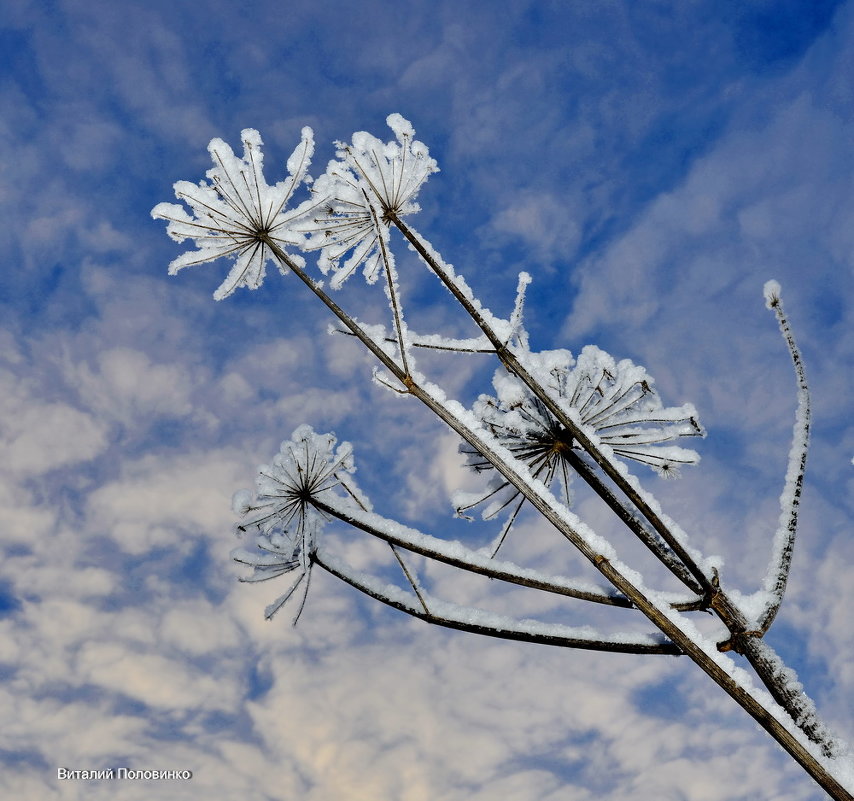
pixel 237 211
pixel 613 401
pixel 371 181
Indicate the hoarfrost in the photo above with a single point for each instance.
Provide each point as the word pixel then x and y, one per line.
pixel 613 402
pixel 549 414
pixel 284 522
pixel 238 214
pixel 370 183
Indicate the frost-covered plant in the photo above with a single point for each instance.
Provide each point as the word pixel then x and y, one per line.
pixel 553 421
pixel 370 180
pixel 282 515
pixel 237 214
pixel 614 402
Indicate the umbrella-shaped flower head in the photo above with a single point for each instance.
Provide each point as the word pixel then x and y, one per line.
pixel 236 213
pixel 369 184
pixel 615 403
pixel 282 516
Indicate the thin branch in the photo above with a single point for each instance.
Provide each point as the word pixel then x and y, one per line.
pixel 478 621
pixel 454 283
pixel 495 547
pixel 358 331
pixel 409 577
pixel 651 539
pixel 378 377
pixel 784 540
pixel 614 472
pixel 283 599
pixel 391 286
pixel 457 555
pixel 435 342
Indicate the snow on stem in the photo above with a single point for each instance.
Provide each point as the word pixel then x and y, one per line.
pixel 598 551
pixel 614 470
pixel 729 613
pixel 784 539
pixel 787 717
pixel 458 555
pixel 392 289
pixel 479 621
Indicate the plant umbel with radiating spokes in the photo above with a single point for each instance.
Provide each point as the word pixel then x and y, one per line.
pixel 614 402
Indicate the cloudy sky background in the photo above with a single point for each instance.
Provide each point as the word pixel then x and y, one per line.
pixel 651 164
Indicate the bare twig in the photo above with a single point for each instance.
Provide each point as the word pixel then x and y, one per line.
pixel 391 285
pixel 410 578
pixel 428 342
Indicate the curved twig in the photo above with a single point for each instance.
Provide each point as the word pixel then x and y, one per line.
pixel 784 540
pixel 478 621
pixel 457 555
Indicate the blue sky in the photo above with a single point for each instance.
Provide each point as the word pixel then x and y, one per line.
pixel 650 164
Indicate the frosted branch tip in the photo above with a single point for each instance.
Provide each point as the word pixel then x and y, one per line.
pixel 772 290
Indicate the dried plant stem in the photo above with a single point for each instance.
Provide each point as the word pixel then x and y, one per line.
pixel 778 569
pixel 509 359
pixel 409 577
pixel 787 691
pixel 391 286
pixel 667 621
pixel 651 539
pixel 715 597
pixel 476 621
pixel 435 548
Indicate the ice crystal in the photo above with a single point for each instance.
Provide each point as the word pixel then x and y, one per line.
pixel 237 214
pixel 371 182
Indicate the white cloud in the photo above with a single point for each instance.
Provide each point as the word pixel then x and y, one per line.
pixel 155 500
pixel 128 386
pixel 469 712
pixel 21 519
pixel 40 436
pixel 75 731
pixel 545 224
pixel 153 679
pixel 198 629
